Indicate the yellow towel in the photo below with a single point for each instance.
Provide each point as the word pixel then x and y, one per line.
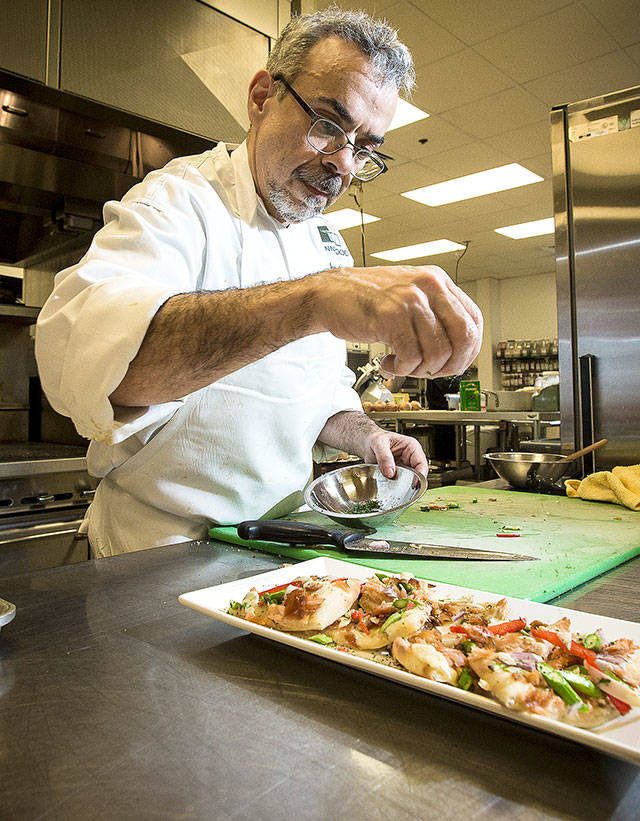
pixel 620 485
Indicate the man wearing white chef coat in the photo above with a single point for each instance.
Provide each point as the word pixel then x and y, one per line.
pixel 199 343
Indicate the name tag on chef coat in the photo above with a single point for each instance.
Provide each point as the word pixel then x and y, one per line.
pixel 334 245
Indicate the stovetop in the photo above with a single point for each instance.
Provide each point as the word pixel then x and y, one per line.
pixel 30 451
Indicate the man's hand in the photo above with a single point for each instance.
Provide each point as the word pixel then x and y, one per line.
pixel 389 449
pixel 434 328
pixel 356 433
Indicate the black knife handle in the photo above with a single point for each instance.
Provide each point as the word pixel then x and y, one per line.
pixel 275 530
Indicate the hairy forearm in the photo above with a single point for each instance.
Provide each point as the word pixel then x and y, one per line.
pixel 197 338
pixel 348 430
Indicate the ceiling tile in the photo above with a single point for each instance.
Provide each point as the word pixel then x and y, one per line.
pixel 401 177
pixel 621 18
pixel 541 164
pixel 548 44
pixel 440 136
pixel 468 159
pixel 523 142
pixel 427 40
pixel 472 21
pixel 611 72
pixel 456 80
pixel 497 113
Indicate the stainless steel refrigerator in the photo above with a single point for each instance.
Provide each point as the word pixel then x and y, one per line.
pixel 596 190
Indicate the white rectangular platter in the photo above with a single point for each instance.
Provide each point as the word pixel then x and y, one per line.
pixel 620 737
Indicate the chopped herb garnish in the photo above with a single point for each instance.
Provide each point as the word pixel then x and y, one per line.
pixel 394 617
pixel 273 598
pixel 322 638
pixel 465 679
pixel 365 507
pixel 592 642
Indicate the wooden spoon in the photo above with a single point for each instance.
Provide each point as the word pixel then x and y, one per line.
pixel 578 453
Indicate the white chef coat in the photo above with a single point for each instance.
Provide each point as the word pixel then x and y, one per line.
pixel 239 448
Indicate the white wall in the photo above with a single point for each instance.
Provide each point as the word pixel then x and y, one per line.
pixel 528 307
pixel 514 308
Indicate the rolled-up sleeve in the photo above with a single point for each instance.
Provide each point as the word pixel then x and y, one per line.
pixel 91 327
pixel 344 399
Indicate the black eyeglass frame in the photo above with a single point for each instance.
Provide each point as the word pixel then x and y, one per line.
pixel 315 117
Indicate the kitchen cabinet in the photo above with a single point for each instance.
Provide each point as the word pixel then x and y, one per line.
pixel 178 62
pixel 23 37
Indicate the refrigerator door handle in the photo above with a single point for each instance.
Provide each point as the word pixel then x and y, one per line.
pixel 586 366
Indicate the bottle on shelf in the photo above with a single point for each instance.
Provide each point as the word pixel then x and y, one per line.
pixel 521 361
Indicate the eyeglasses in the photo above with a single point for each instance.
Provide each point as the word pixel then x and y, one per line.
pixel 328 137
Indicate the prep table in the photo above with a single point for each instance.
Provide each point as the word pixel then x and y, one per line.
pixel 507 422
pixel 117 702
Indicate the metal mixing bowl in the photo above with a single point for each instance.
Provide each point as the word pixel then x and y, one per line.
pixel 335 493
pixel 531 471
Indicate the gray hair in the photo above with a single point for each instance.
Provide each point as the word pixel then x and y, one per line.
pixel 391 59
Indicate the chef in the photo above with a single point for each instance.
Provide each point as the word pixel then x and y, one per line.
pixel 199 343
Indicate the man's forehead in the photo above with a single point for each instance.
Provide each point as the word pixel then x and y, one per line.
pixel 340 71
pixel 334 57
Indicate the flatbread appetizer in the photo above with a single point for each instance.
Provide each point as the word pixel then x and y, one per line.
pixel 542 669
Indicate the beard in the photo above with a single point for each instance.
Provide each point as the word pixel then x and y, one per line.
pixel 296 210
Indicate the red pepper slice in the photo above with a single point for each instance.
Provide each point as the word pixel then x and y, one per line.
pixel 357 615
pixel 583 653
pixel 276 589
pixel 575 649
pixel 495 629
pixel 507 627
pixel 621 706
pixel 508 535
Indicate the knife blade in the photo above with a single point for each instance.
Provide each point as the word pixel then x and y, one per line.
pixel 303 533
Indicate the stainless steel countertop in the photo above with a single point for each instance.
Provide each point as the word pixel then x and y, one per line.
pixel 469 417
pixel 13 470
pixel 117 702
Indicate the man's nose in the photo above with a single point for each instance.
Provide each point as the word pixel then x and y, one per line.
pixel 341 162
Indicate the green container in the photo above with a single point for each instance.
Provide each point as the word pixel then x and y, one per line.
pixel 470 396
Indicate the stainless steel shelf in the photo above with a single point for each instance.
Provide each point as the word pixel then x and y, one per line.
pixel 19 313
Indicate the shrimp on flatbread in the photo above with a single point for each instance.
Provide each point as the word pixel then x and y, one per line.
pixel 310 603
pixel 426 655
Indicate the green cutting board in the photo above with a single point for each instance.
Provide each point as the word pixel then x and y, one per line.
pixel 574 540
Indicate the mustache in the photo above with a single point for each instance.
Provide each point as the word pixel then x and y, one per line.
pixel 330 184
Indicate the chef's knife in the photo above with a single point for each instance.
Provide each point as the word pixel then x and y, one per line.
pixel 302 533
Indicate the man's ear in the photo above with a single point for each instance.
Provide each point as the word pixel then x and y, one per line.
pixel 261 88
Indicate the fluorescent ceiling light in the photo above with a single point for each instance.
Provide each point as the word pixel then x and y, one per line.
pixel 423 249
pixel 474 185
pixel 527 229
pixel 349 218
pixel 406 114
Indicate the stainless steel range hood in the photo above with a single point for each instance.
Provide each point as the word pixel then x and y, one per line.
pixel 62 157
